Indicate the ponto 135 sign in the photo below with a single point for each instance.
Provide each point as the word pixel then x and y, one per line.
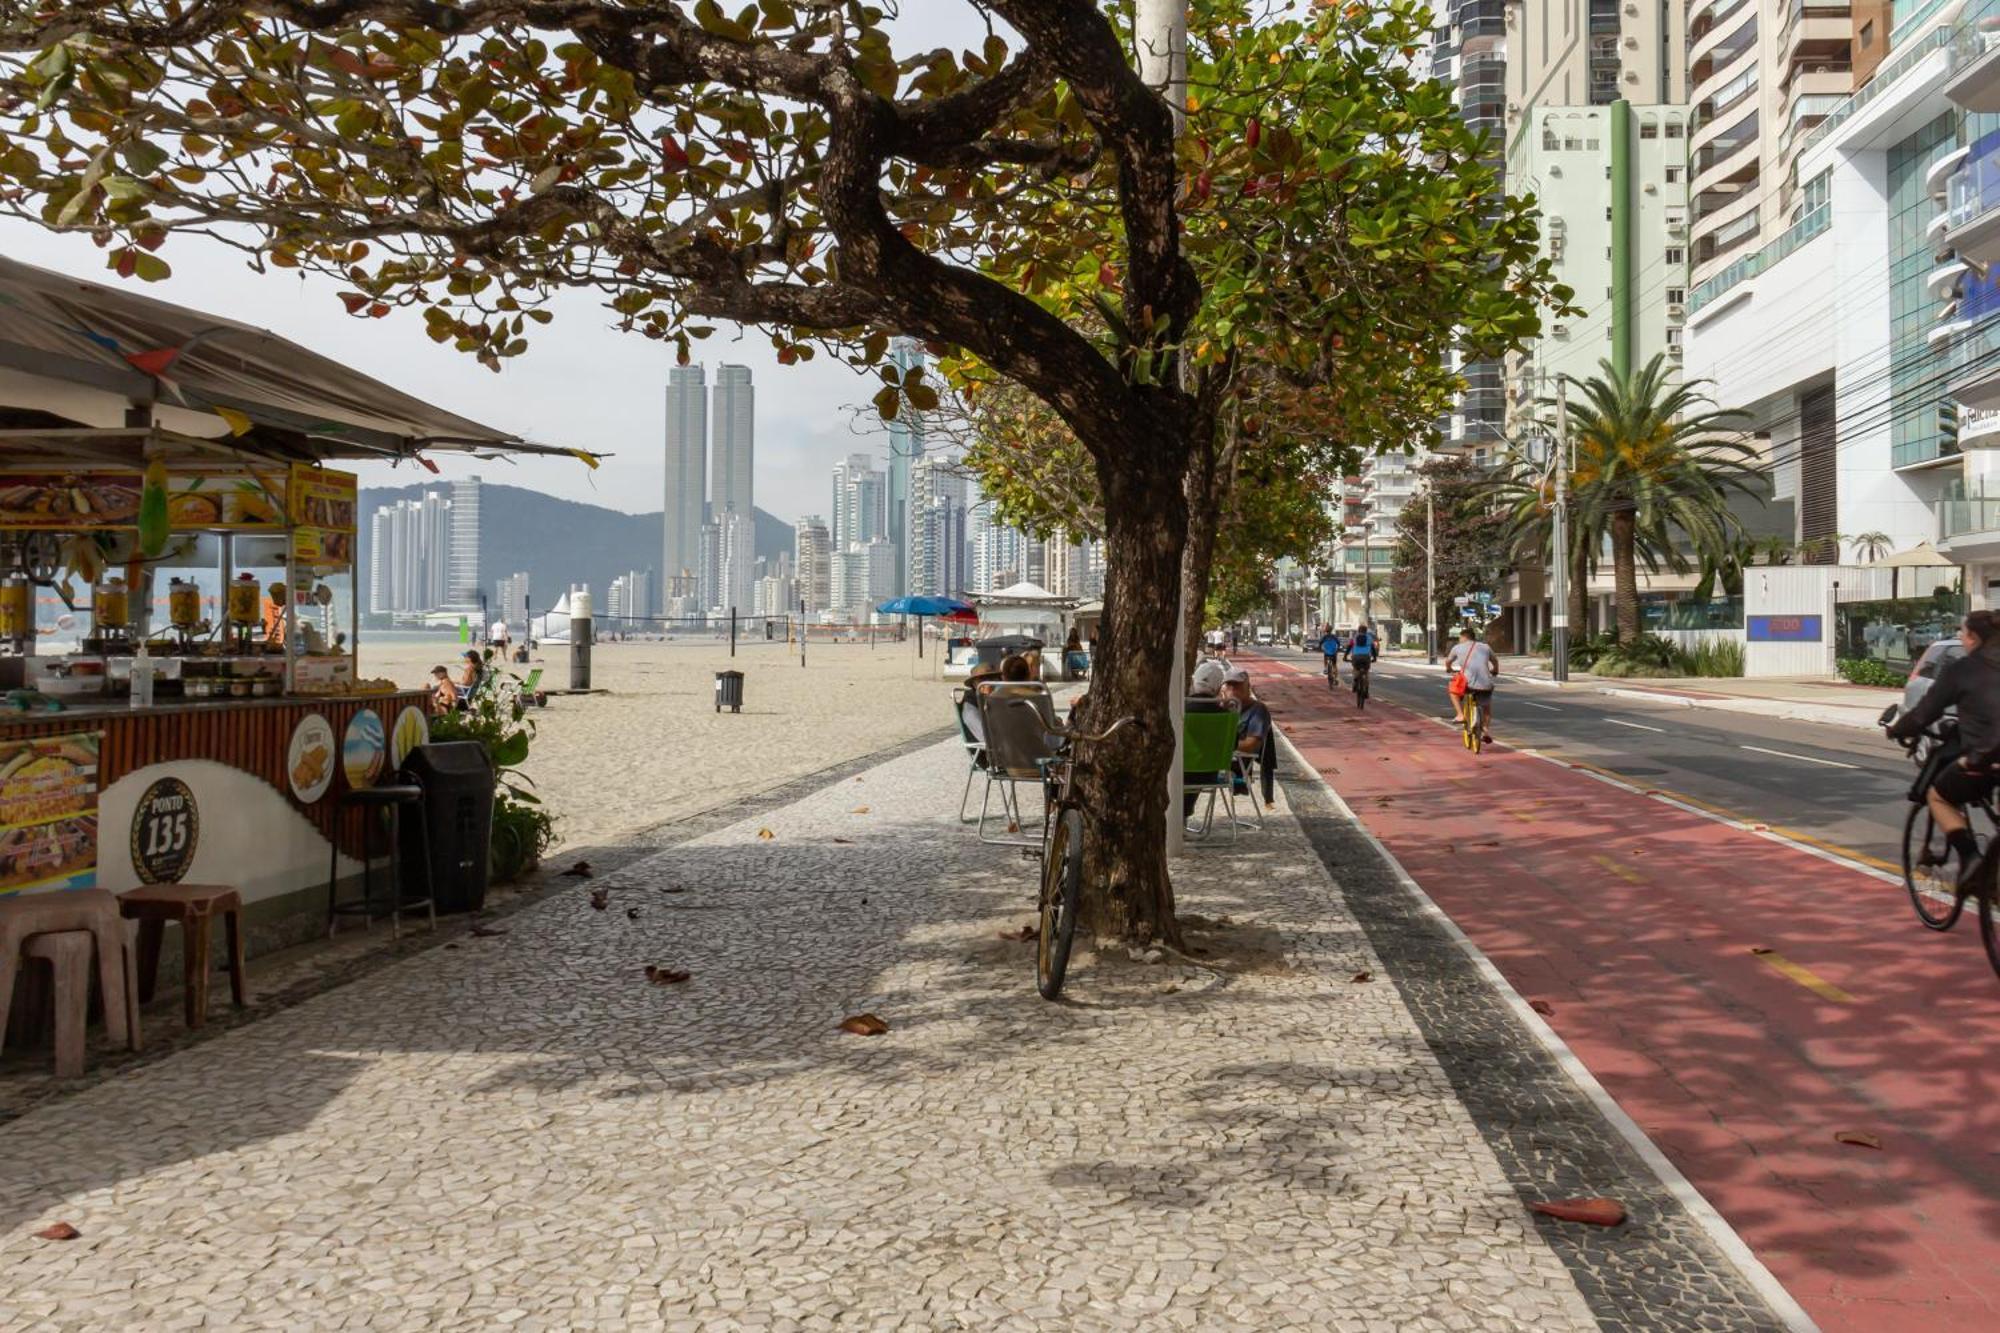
pixel 1782 629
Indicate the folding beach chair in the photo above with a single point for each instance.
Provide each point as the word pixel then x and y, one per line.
pixel 1208 742
pixel 1020 743
pixel 965 708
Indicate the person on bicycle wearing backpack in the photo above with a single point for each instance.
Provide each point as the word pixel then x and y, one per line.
pixel 1972 685
pixel 1361 650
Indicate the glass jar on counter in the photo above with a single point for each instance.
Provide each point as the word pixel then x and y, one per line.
pixel 17 607
pixel 110 605
pixel 246 601
pixel 183 604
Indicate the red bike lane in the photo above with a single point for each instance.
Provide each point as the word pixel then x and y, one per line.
pixel 1743 1000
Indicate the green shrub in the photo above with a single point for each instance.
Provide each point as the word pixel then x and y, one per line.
pixel 1714 657
pixel 498 720
pixel 1867 671
pixel 1584 652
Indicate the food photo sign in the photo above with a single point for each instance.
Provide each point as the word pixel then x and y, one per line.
pixel 48 811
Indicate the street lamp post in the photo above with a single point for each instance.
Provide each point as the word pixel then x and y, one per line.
pixel 1559 584
pixel 1430 575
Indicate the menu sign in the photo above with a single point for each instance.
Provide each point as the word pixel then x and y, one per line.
pixel 322 546
pixel 48 811
pixel 70 500
pixel 319 497
pixel 239 501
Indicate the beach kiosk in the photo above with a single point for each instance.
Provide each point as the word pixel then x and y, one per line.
pixel 1021 610
pixel 179 698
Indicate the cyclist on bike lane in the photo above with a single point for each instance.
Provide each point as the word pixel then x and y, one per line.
pixel 1329 653
pixel 1480 666
pixel 1972 685
pixel 1361 650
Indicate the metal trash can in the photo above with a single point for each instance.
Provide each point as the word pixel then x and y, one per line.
pixel 457 815
pixel 729 691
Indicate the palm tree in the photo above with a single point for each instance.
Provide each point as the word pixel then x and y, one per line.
pixel 1654 463
pixel 1872 546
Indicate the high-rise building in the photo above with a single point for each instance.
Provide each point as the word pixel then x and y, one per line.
pixel 906 448
pixel 859 494
pixel 410 556
pixel 937 538
pixel 777 596
pixel 629 599
pixel 463 593
pixel 815 568
pixel 1000 554
pixel 512 595
pixel 736 583
pixel 1764 74
pixel 687 479
pixel 732 430
pixel 864 576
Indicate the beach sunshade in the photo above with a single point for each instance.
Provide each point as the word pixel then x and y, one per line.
pixel 921 606
pixel 1921 556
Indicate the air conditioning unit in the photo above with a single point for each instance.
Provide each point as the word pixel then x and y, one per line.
pixel 1555 247
pixel 1674 351
pixel 1676 223
pixel 1675 310
pixel 1559 330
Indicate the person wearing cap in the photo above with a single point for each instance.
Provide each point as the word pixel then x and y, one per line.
pixel 1253 717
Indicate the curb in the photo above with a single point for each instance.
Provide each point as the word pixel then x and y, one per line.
pixel 1699 1209
pixel 1651 696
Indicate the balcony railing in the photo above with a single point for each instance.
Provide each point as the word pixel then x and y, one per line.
pixel 1723 150
pixel 1973 513
pixel 1814 222
pixel 1887 75
pixel 1907 24
pixel 1973 190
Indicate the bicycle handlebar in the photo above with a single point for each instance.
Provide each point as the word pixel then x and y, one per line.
pixel 1070 734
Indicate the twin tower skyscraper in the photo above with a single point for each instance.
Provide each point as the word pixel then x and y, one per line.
pixel 711 521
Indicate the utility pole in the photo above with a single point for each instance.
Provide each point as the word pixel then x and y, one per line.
pixel 1559 584
pixel 1430 574
pixel 1159 38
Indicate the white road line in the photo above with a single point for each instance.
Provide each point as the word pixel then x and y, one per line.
pixel 1636 726
pixel 1802 758
pixel 1546 708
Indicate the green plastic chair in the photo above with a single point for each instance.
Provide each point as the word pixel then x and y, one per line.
pixel 1208 742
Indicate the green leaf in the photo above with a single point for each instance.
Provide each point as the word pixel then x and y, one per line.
pixel 888 402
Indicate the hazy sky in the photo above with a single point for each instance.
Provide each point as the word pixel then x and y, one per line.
pixel 581 383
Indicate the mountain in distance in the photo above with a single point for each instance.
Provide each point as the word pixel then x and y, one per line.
pixel 558 542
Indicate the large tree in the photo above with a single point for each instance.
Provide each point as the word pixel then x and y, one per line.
pixel 781 166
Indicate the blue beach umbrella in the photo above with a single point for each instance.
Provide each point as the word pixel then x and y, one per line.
pixel 921 607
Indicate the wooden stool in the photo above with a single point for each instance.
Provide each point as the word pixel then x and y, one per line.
pixel 193 906
pixel 68 954
pixel 94 911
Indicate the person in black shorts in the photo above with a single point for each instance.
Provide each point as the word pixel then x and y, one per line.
pixel 1972 685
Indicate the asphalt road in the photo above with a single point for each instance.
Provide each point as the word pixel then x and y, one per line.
pixel 1840 785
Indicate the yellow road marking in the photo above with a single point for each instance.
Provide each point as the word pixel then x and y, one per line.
pixel 1624 872
pixel 1523 816
pixel 1805 976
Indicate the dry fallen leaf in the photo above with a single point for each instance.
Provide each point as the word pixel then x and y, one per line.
pixel 860 809
pixel 1597 1212
pixel 1858 1138
pixel 847 841
pixel 665 976
pixel 766 834
pixel 1362 976
pixel 487 932
pixel 1542 1007
pixel 631 914
pixel 58 1231
pixel 863 1025
pixel 1760 949
pixel 600 898
pixel 581 870
pixel 1023 935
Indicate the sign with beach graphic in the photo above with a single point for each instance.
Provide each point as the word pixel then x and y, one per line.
pixel 363 749
pixel 412 729
pixel 48 811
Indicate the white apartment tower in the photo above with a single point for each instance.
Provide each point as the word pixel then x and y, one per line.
pixel 732 435
pixel 814 555
pixel 687 480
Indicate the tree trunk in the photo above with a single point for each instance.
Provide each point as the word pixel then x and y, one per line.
pixel 1625 573
pixel 1203 490
pixel 1128 893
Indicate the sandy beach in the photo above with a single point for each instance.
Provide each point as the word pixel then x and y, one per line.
pixel 652 747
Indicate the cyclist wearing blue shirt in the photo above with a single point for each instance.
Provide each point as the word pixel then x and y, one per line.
pixel 1329 652
pixel 1361 651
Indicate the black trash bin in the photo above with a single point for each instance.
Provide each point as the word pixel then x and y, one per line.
pixel 457 816
pixel 729 691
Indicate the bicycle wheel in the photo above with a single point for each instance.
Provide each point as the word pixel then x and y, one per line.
pixel 1989 930
pixel 1062 890
pixel 1928 871
pixel 1472 725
